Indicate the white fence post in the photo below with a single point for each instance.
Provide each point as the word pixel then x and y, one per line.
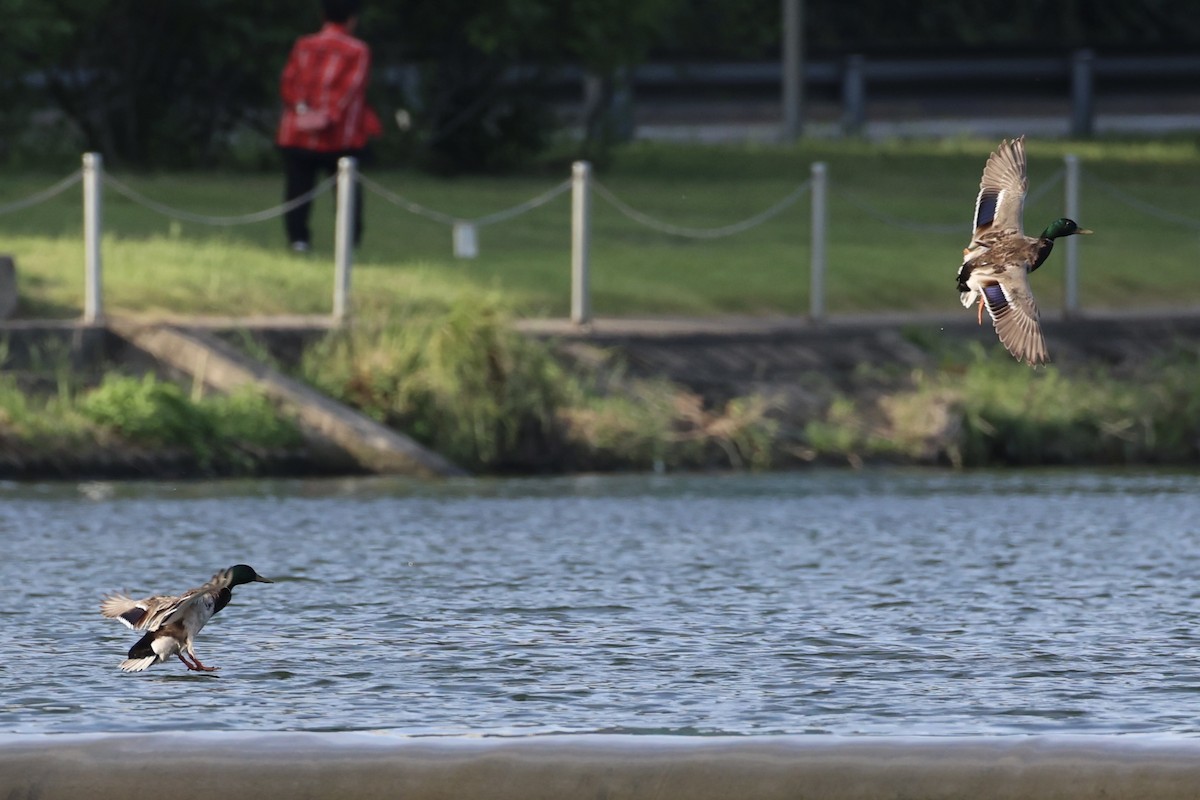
pixel 1071 269
pixel 816 299
pixel 343 237
pixel 581 311
pixel 93 181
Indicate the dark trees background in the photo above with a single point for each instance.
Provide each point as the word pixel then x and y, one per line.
pixel 193 83
pixel 141 81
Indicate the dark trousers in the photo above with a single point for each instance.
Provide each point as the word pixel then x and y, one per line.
pixel 300 169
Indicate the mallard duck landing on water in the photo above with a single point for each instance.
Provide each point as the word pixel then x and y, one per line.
pixel 997 262
pixel 172 622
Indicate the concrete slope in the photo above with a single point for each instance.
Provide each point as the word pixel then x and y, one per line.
pixel 373 446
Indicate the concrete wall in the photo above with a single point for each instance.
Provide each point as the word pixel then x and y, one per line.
pixel 729 356
pixel 364 766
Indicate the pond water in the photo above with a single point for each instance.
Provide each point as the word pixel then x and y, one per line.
pixel 876 602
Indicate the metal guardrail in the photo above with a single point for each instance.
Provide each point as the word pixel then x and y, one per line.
pixel 1083 71
pixel 688 75
pixel 1079 70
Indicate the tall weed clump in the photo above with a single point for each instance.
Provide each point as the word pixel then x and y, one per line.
pixel 462 381
pixel 458 379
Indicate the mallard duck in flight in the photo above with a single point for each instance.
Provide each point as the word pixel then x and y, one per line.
pixel 997 262
pixel 172 622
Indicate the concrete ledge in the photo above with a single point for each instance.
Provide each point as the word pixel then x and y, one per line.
pixel 1160 323
pixel 375 447
pixel 364 766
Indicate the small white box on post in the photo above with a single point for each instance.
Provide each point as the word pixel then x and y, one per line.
pixel 343 237
pixel 466 240
pixel 581 311
pixel 93 182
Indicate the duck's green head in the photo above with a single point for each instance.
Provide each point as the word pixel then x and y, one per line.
pixel 1062 227
pixel 244 573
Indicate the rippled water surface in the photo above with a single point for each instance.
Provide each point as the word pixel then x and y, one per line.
pixel 877 602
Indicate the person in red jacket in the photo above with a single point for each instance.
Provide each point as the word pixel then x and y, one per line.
pixel 325 111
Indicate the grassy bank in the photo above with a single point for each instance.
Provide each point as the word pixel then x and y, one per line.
pixel 977 409
pixel 457 378
pixel 433 353
pixel 138 427
pixel 460 380
pixel 464 383
pixel 155 264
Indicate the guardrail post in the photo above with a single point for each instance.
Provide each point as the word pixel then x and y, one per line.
pixel 581 172
pixel 343 237
pixel 793 68
pixel 1082 62
pixel 93 181
pixel 854 96
pixel 816 290
pixel 1071 268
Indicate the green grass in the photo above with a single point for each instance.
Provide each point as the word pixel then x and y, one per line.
pixel 220 434
pixel 978 410
pixel 153 264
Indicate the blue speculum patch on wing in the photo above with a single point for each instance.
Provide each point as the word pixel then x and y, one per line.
pixel 995 296
pixel 988 200
pixel 134 616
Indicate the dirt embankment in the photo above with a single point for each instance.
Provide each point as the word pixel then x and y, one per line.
pixel 801 366
pixel 801 361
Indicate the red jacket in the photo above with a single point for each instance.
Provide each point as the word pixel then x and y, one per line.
pixel 327 73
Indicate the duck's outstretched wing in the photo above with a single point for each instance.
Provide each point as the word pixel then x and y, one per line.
pixel 1015 316
pixel 140 615
pixel 152 613
pixel 1001 199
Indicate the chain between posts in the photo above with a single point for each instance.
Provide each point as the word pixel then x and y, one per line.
pixel 93 177
pixel 49 193
pixel 219 221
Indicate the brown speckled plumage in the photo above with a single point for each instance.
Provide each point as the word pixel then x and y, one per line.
pixel 997 261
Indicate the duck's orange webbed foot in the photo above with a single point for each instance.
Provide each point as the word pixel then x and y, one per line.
pixel 200 667
pixel 197 666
